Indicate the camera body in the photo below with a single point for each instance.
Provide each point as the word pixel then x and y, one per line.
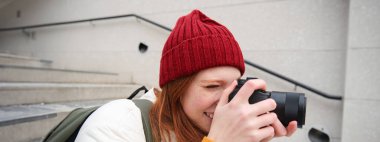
pixel 290 105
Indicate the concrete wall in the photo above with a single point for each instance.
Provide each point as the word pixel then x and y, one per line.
pixel 362 98
pixel 302 39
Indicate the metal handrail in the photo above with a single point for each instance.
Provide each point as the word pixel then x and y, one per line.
pixel 323 94
pixel 85 20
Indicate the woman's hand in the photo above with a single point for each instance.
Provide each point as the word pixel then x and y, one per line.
pixel 240 121
pixel 280 130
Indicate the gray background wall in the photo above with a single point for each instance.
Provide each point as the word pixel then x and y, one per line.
pixel 362 85
pixel 332 45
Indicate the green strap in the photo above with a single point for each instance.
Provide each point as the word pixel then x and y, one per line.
pixel 69 127
pixel 145 106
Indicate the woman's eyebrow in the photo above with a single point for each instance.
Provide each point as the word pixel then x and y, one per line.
pixel 212 81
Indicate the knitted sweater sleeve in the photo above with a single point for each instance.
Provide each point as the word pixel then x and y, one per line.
pixel 119 120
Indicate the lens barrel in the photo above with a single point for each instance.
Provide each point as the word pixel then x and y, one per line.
pixel 290 105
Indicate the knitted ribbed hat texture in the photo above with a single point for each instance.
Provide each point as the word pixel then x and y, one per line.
pixel 196 43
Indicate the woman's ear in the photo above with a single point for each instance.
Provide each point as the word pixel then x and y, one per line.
pixel 156 92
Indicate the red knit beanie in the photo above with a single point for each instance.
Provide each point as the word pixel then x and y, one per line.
pixel 196 43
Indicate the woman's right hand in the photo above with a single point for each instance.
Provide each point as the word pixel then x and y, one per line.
pixel 240 121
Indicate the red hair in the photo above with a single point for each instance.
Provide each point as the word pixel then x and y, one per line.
pixel 167 115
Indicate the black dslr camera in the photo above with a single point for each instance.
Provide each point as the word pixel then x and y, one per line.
pixel 290 105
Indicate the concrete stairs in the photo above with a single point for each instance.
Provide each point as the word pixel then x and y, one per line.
pixel 35 96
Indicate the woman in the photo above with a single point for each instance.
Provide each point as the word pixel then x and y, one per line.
pixel 200 64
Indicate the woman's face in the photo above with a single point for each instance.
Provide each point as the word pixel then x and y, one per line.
pixel 200 99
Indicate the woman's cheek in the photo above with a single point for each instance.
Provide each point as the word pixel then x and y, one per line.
pixel 206 100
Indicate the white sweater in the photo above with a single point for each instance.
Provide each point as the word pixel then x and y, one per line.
pixel 118 120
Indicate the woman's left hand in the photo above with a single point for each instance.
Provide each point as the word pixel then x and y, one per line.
pixel 280 130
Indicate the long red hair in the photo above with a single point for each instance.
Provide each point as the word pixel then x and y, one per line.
pixel 167 115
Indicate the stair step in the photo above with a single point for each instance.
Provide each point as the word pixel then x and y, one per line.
pixel 33 93
pixel 15 114
pixel 34 121
pixel 10 59
pixel 16 73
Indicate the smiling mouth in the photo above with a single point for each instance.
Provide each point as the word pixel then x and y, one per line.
pixel 209 114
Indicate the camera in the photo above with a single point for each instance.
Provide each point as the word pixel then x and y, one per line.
pixel 290 105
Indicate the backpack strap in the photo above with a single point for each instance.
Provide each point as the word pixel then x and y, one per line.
pixel 137 91
pixel 145 106
pixel 68 129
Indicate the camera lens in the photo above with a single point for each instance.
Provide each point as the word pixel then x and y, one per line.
pixel 290 105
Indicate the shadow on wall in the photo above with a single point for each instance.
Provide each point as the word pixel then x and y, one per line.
pixel 316 135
